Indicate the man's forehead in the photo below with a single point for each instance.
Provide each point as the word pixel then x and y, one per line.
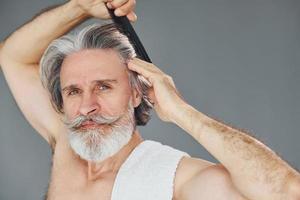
pixel 92 65
pixel 94 57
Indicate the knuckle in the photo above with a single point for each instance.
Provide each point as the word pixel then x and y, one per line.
pixel 113 3
pixel 165 77
pixel 150 65
pixel 121 9
pixel 169 77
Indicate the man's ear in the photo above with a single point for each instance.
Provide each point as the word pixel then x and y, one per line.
pixel 136 98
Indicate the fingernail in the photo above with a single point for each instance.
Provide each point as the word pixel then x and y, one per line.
pixel 109 5
pixel 134 17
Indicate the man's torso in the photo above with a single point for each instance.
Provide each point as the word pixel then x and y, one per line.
pixel 69 177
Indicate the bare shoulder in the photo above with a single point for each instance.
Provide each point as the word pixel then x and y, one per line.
pixel 188 168
pixel 200 179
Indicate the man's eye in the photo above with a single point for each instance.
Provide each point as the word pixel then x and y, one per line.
pixel 73 92
pixel 103 87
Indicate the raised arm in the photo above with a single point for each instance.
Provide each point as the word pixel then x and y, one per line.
pixel 22 51
pixel 248 170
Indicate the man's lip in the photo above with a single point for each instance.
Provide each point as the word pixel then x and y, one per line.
pixel 89 124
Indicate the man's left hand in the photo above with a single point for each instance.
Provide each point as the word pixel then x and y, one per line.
pixel 97 8
pixel 163 93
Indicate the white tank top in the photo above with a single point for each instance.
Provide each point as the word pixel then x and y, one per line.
pixel 148 173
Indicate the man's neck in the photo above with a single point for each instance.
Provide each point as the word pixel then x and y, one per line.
pixel 112 164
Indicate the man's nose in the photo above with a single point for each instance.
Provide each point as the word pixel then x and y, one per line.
pixel 89 105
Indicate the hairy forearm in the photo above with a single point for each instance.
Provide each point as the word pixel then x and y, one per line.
pixel 27 44
pixel 254 168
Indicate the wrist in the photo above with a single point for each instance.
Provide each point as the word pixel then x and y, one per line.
pixel 180 111
pixel 75 11
pixel 188 118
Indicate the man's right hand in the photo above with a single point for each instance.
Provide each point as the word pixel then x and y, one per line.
pixel 97 8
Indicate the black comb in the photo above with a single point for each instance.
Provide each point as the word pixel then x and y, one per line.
pixel 126 28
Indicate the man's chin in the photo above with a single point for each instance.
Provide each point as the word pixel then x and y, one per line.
pixel 94 145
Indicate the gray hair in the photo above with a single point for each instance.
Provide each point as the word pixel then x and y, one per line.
pixel 94 36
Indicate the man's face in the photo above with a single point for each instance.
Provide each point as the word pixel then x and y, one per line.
pixel 98 102
pixel 94 81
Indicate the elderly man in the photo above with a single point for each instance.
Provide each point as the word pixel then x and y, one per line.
pixel 99 92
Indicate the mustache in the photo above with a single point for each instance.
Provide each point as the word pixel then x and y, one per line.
pixel 98 119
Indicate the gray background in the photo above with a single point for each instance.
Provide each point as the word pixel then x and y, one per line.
pixel 237 61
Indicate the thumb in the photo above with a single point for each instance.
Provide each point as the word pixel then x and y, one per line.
pixel 132 16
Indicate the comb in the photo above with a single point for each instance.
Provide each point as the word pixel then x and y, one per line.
pixel 126 28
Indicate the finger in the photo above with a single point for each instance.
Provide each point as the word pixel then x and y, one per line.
pixel 151 96
pixel 133 66
pixel 125 9
pixel 171 81
pixel 141 68
pixel 117 3
pixel 147 65
pixel 148 74
pixel 109 5
pixel 132 16
pixel 145 81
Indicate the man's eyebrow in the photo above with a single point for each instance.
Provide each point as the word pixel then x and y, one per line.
pixel 105 81
pixel 102 81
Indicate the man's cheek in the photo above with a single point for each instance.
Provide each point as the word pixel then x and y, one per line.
pixel 70 108
pixel 111 108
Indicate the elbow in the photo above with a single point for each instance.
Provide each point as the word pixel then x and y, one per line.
pixel 294 188
pixel 1 53
pixel 1 46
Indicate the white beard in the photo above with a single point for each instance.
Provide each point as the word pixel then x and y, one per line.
pixel 97 144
